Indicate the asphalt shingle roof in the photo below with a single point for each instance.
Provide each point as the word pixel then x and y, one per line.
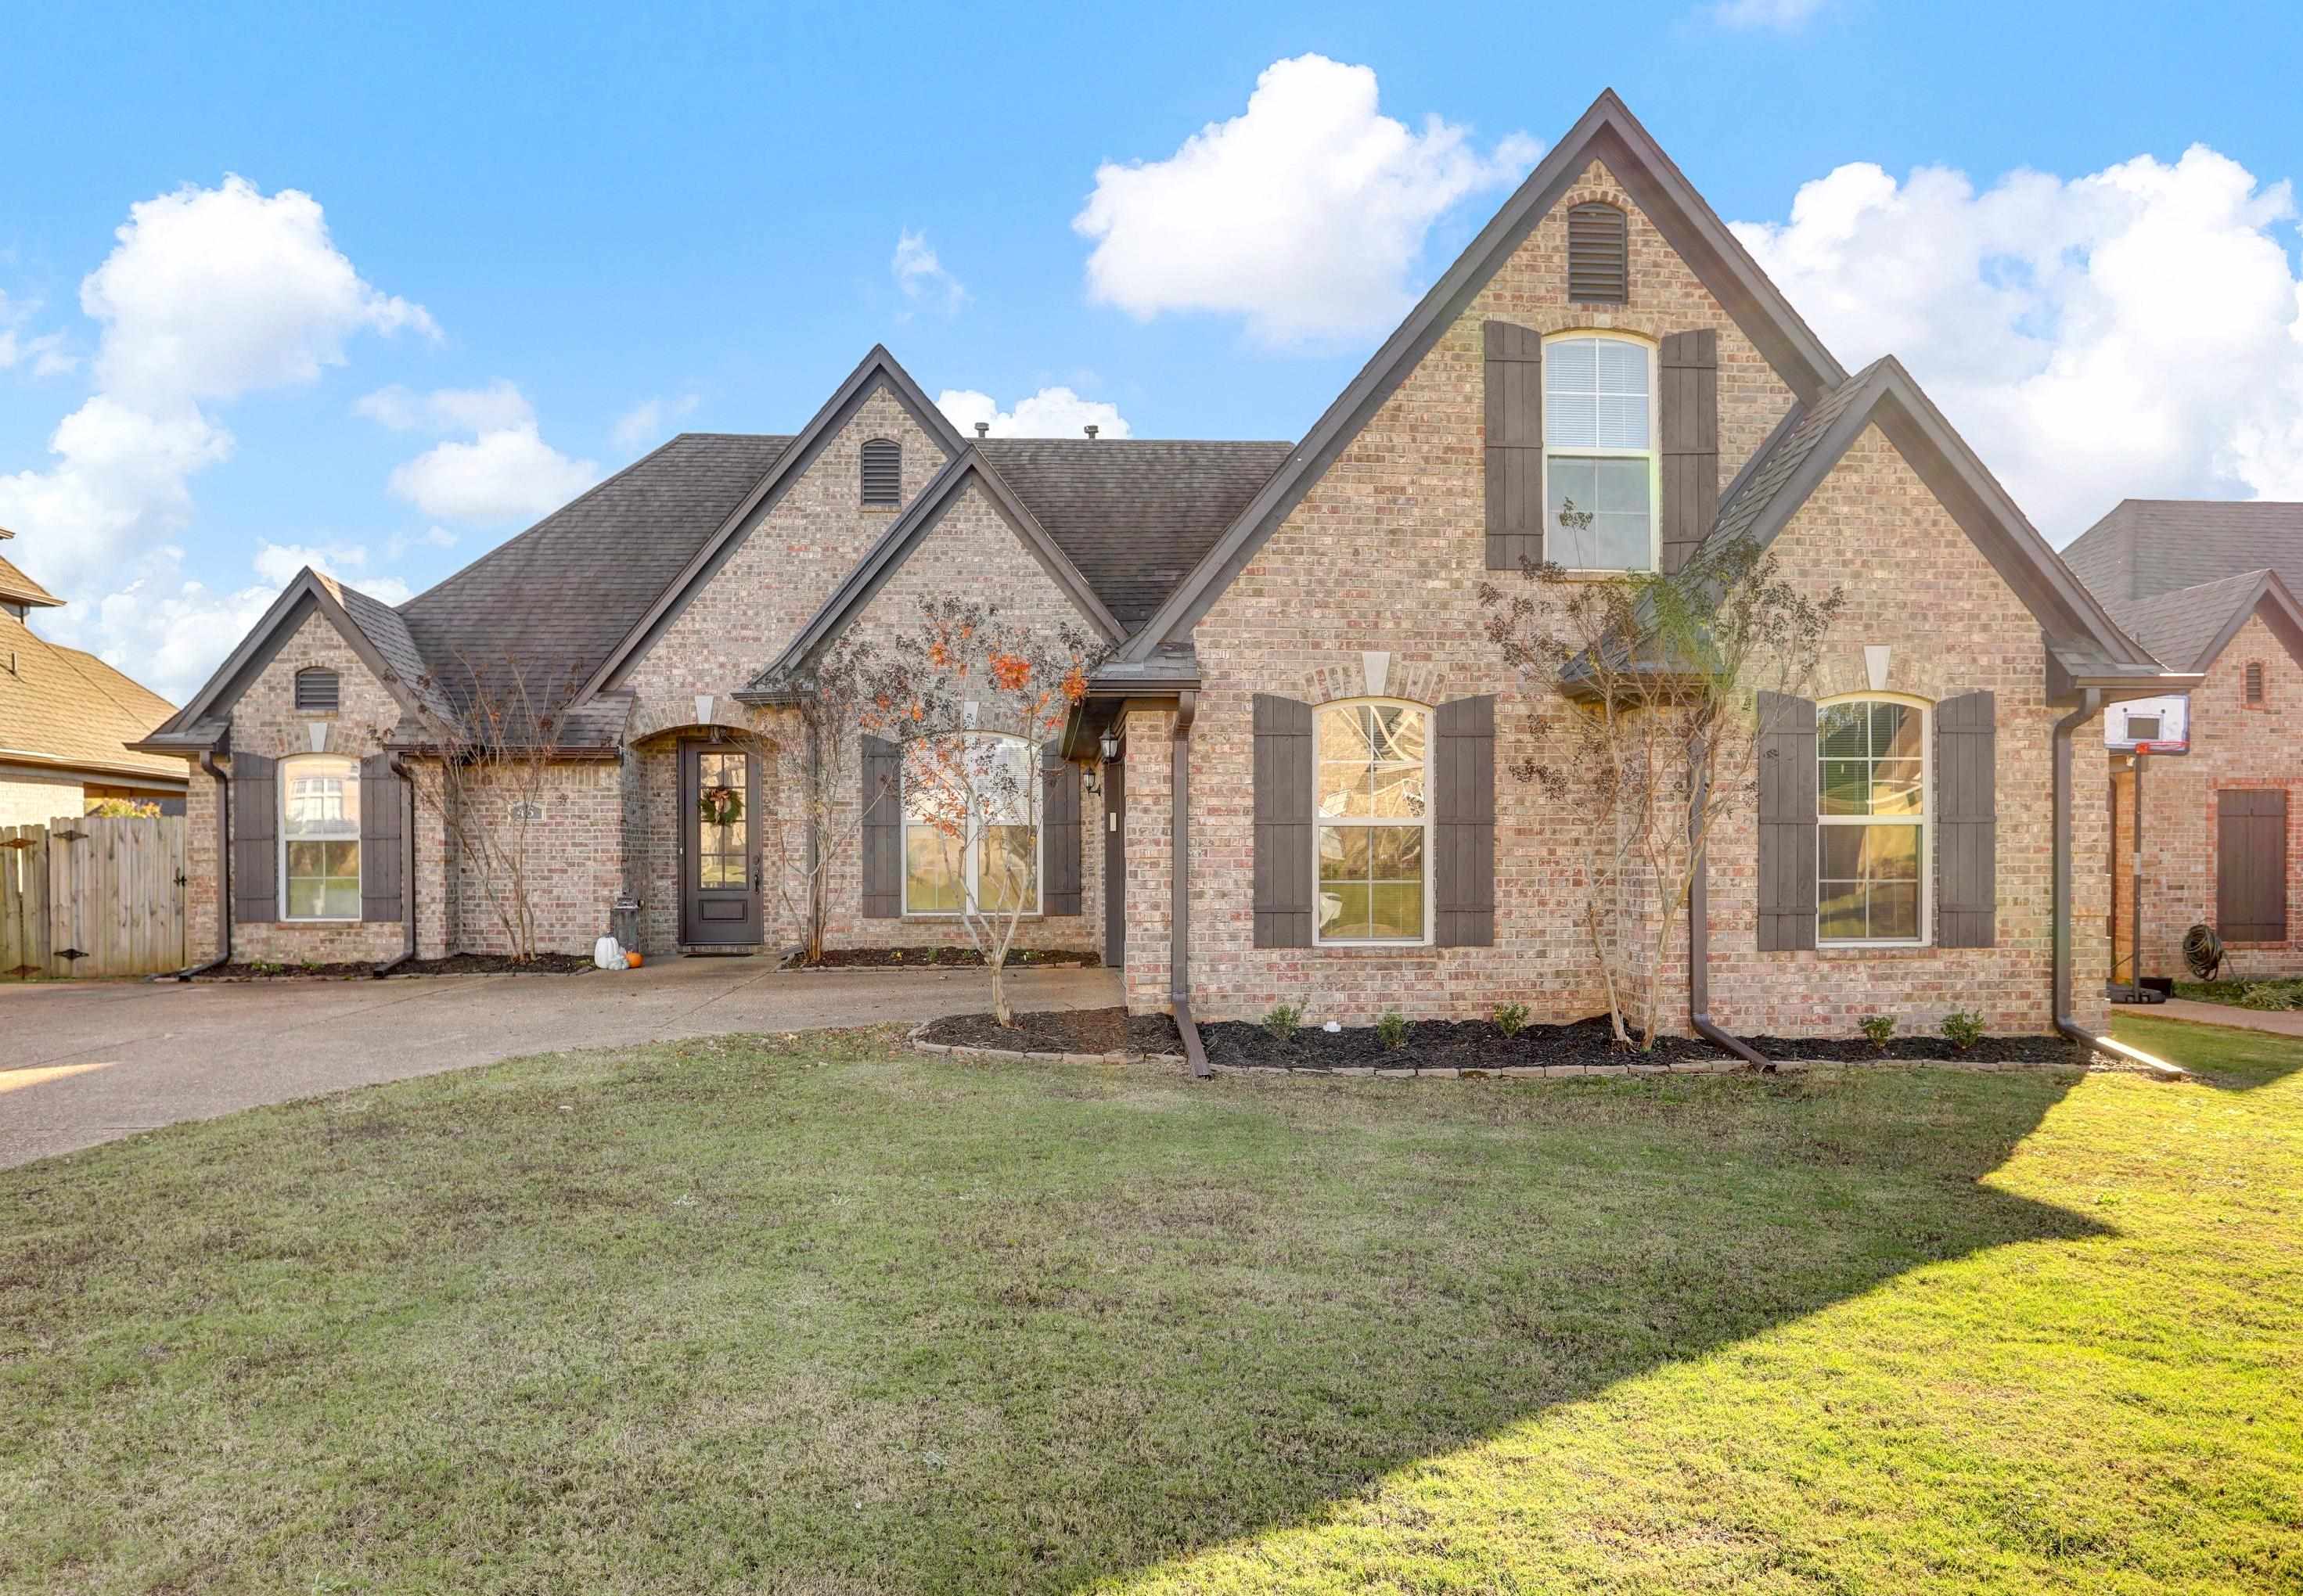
pixel 1767 475
pixel 2179 627
pixel 2146 547
pixel 16 588
pixel 1134 515
pixel 67 708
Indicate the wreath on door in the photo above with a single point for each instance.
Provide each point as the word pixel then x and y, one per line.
pixel 720 806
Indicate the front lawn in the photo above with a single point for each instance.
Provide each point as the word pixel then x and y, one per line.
pixel 820 1316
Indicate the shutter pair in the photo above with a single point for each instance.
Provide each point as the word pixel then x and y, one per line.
pixel 883 841
pixel 1963 816
pixel 1687 405
pixel 1463 799
pixel 255 839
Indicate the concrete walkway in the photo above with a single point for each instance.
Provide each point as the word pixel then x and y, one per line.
pixel 2283 1023
pixel 86 1061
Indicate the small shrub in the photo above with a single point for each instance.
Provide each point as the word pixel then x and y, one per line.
pixel 1392 1029
pixel 2271 994
pixel 1962 1028
pixel 1879 1027
pixel 1511 1018
pixel 1284 1021
pixel 114 809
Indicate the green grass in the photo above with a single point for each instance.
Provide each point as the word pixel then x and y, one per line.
pixel 823 1317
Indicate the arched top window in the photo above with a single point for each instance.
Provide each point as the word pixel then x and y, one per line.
pixel 884 473
pixel 1871 810
pixel 972 825
pixel 2254 684
pixel 317 689
pixel 1600 489
pixel 1598 269
pixel 1371 769
pixel 319 838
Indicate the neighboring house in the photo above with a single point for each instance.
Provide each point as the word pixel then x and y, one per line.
pixel 66 719
pixel 1311 800
pixel 2208 587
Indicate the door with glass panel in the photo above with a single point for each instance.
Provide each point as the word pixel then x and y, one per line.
pixel 720 868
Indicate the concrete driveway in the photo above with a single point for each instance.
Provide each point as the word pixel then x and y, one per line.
pixel 86 1061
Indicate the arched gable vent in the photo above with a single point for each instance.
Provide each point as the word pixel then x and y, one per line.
pixel 1598 270
pixel 2254 684
pixel 883 472
pixel 317 689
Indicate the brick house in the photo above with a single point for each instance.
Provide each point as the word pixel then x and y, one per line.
pixel 1286 774
pixel 2209 588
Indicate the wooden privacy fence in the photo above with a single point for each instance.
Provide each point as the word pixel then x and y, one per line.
pixel 92 896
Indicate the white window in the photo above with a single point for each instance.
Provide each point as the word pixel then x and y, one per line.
pixel 319 838
pixel 1600 488
pixel 1371 831
pixel 1871 806
pixel 971 826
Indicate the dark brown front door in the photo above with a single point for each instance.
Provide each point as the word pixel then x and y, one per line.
pixel 720 838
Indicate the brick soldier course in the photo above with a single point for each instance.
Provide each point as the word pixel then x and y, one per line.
pixel 1240 585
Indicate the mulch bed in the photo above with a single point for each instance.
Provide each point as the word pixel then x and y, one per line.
pixel 453 964
pixel 1061 1030
pixel 1859 1050
pixel 940 958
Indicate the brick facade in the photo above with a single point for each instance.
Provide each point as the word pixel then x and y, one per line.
pixel 2232 746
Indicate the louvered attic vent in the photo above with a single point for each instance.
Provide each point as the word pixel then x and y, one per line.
pixel 317 690
pixel 1596 272
pixel 883 472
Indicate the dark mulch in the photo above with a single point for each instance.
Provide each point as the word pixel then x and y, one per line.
pixel 1859 1050
pixel 937 958
pixel 453 964
pixel 1436 1044
pixel 1061 1030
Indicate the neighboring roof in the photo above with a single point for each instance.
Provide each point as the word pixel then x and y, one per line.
pixel 68 710
pixel 2189 626
pixel 1134 515
pixel 903 536
pixel 1608 133
pixel 2145 547
pixel 562 594
pixel 877 369
pixel 16 588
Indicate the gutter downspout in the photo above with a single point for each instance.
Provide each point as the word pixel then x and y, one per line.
pixel 1699 937
pixel 2090 706
pixel 406 867
pixel 224 870
pixel 1179 907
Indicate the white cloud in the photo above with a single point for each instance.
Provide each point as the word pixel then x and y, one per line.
pixel 1050 413
pixel 645 422
pixel 45 351
pixel 1306 215
pixel 1786 16
pixel 506 472
pixel 499 405
pixel 2135 331
pixel 921 276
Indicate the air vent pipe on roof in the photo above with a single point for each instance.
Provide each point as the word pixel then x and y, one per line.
pixel 984 429
pixel 1090 429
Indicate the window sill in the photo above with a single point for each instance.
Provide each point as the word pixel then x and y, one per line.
pixel 1374 947
pixel 307 919
pixel 1843 948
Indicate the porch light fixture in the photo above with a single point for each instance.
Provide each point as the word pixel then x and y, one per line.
pixel 1111 746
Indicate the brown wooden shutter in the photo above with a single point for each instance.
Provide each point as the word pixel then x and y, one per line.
pixel 1515 407
pixel 1787 779
pixel 881 793
pixel 1284 801
pixel 2251 865
pixel 1689 370
pixel 381 831
pixel 1967 821
pixel 1059 830
pixel 1464 823
pixel 255 840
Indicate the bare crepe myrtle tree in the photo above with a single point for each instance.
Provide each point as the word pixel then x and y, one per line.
pixel 1652 727
pixel 488 750
pixel 973 697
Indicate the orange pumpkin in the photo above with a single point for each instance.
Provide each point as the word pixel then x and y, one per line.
pixel 632 960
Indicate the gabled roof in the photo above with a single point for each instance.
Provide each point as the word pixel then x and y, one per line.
pixel 877 369
pixel 67 709
pixel 1764 496
pixel 2188 627
pixel 353 613
pixel 906 534
pixel 16 588
pixel 1608 133
pixel 2145 547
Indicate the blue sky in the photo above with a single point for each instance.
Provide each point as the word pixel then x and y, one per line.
pixel 526 223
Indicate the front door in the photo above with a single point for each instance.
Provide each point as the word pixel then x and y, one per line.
pixel 720 833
